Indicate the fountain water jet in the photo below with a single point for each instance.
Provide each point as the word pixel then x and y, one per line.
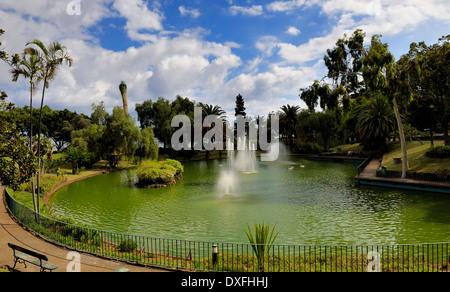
pixel 242 162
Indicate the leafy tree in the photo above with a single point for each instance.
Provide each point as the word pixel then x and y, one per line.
pixel 433 84
pixel 148 148
pixel 157 115
pixel 383 76
pixel 17 162
pixel 240 106
pixel 121 134
pixel 99 115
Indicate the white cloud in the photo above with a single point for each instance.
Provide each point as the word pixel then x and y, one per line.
pixel 293 31
pixel 254 10
pixel 267 44
pixel 184 62
pixel 194 13
pixel 139 18
pixel 283 6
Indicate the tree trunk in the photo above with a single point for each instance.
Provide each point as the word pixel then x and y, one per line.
pixel 445 128
pixel 402 139
pixel 431 137
pixel 33 190
pixel 39 143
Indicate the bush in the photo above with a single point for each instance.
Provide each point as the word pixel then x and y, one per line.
pixel 151 176
pixel 308 148
pixel 159 173
pixel 175 164
pixel 128 245
pixel 438 152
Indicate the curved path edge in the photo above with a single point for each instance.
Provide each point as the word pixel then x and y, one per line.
pixel 12 232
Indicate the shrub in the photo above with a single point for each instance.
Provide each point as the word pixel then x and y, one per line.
pixel 159 173
pixel 308 148
pixel 177 165
pixel 438 152
pixel 127 245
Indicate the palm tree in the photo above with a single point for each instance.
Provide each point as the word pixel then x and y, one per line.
pixel 53 56
pixel 288 119
pixel 376 122
pixel 30 67
pixel 123 91
pixel 210 110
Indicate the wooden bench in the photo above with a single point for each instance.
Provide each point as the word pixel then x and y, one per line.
pixel 27 256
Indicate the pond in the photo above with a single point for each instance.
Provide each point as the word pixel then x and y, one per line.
pixel 311 203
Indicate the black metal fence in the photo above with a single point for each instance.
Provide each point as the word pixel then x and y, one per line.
pixel 209 256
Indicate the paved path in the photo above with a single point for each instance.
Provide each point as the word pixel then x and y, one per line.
pixel 369 174
pixel 11 232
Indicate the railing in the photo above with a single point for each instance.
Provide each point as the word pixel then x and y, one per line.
pixel 208 256
pixel 364 165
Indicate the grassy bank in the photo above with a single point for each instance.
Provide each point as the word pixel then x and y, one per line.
pixel 417 160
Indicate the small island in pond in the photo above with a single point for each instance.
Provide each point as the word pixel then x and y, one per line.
pixel 159 174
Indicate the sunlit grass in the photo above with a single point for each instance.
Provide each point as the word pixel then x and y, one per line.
pixel 417 160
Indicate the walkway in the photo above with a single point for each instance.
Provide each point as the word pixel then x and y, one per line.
pixel 369 177
pixel 11 232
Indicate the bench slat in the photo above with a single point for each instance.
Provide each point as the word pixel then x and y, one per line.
pixel 32 258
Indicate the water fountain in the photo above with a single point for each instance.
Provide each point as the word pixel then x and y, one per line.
pixel 244 162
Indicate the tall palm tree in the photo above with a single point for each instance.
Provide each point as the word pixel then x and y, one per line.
pixel 30 67
pixel 288 119
pixel 123 90
pixel 210 110
pixel 376 122
pixel 53 56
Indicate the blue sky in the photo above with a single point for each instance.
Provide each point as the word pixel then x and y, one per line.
pixel 209 51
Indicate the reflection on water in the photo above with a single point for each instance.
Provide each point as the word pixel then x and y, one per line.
pixel 311 202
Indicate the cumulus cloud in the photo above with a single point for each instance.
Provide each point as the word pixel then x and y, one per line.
pixel 194 13
pixel 254 10
pixel 293 31
pixel 188 62
pixel 139 18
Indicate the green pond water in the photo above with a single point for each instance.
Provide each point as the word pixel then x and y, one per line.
pixel 319 204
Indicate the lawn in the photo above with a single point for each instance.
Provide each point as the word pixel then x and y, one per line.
pixel 418 162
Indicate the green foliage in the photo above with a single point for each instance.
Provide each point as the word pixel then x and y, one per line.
pixel 159 173
pixel 439 152
pixel 376 122
pixel 240 106
pixel 307 148
pixel 177 165
pixel 262 241
pixel 79 158
pixel 127 245
pixel 148 147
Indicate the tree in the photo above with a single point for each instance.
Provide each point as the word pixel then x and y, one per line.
pixel 148 148
pixel 376 121
pixel 288 120
pixel 123 91
pixel 383 76
pixel 433 83
pixel 240 106
pixel 121 134
pixel 17 161
pixel 52 57
pixel 30 67
pixel 157 115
